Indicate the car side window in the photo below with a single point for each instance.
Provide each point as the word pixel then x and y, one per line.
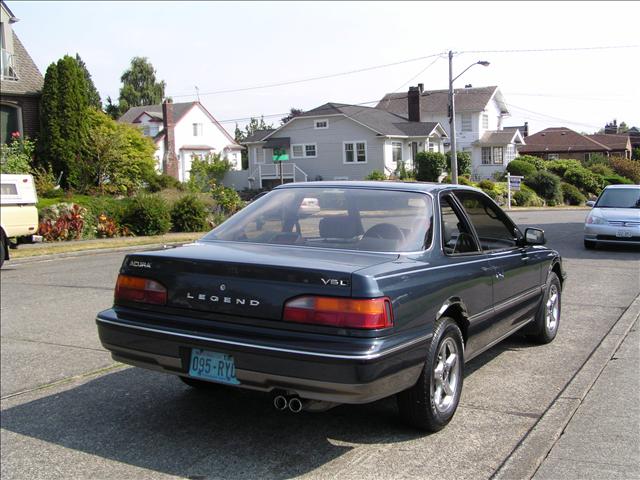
pixel 494 229
pixel 456 236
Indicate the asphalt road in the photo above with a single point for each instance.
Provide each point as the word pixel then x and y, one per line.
pixel 69 412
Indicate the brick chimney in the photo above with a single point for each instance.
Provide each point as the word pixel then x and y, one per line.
pixel 413 101
pixel 526 129
pixel 170 161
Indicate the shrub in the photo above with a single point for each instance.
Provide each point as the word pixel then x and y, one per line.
pixel 626 168
pixel 486 185
pixel 546 185
pixel 147 215
pixel 616 179
pixel 537 162
pixel 463 159
pixel 584 179
pixel 189 214
pixel 16 155
pixel 560 166
pixel 520 168
pixel 227 199
pixel 207 172
pixel 572 195
pixel 163 181
pixel 62 221
pixel 108 228
pixel 376 175
pixel 429 166
pixel 525 197
pixel 601 169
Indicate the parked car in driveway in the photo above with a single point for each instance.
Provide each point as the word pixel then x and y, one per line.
pixel 387 288
pixel 614 218
pixel 18 212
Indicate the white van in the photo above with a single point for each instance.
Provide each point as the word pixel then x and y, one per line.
pixel 18 212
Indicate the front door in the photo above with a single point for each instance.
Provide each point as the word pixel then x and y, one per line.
pixel 516 287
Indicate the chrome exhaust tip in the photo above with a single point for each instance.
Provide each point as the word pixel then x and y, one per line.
pixel 280 402
pixel 295 405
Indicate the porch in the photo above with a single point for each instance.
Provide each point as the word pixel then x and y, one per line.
pixel 286 171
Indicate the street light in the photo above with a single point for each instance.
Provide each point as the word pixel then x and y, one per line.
pixel 452 114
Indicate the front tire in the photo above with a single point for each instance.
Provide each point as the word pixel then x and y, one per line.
pixel 3 248
pixel 431 403
pixel 547 322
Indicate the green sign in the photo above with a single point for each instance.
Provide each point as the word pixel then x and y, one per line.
pixel 280 155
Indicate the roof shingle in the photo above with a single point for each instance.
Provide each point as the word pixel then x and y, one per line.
pixel 30 79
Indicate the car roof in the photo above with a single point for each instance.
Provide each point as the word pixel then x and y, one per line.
pixel 380 185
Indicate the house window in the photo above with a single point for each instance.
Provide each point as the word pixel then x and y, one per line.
pixel 511 153
pixel 302 150
pixel 355 152
pixel 553 156
pixel 396 151
pixel 498 156
pixel 431 147
pixel 485 121
pixel 486 155
pixel 466 122
pixel 197 129
pixel 10 121
pixel 587 157
pixel 321 124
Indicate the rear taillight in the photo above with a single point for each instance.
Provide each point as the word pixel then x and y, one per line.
pixel 138 289
pixel 340 312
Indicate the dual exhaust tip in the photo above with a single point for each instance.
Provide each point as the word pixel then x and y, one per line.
pixel 293 403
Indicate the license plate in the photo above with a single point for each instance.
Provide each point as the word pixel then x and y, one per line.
pixel 623 233
pixel 214 366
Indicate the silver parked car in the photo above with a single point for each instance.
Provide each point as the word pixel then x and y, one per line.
pixel 615 218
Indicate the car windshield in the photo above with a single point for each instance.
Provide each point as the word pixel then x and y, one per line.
pixel 619 198
pixel 342 218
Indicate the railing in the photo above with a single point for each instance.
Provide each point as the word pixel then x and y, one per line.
pixel 271 171
pixel 8 66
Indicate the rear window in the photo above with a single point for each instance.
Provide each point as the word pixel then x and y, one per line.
pixel 341 218
pixel 619 198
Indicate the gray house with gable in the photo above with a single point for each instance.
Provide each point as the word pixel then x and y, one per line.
pixel 339 142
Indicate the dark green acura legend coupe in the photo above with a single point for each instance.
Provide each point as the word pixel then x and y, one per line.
pixel 340 292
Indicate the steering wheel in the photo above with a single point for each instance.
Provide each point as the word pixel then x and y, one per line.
pixel 385 231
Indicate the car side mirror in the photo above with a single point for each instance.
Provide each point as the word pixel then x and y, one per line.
pixel 534 236
pixel 590 203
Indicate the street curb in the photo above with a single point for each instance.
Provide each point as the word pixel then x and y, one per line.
pixel 94 251
pixel 527 457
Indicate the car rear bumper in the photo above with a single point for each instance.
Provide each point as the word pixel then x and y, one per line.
pixel 356 375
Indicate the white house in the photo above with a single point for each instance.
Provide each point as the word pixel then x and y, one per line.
pixel 193 131
pixel 339 142
pixel 480 113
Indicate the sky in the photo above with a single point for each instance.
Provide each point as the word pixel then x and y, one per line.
pixel 217 46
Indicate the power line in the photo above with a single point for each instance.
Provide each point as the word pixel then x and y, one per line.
pixel 542 116
pixel 567 49
pixel 311 79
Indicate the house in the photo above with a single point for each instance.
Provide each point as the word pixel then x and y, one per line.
pixel 337 141
pixel 480 113
pixel 181 131
pixel 561 142
pixel 20 83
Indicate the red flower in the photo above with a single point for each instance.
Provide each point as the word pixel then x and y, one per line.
pixel 15 135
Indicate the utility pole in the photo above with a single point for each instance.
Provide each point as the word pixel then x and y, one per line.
pixel 452 114
pixel 452 124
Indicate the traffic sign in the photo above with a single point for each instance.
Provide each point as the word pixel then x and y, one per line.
pixel 280 155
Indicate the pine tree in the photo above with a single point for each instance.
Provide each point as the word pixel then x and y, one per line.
pixel 93 97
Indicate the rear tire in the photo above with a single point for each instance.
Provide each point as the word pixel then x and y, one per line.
pixel 431 403
pixel 547 321
pixel 199 384
pixel 590 244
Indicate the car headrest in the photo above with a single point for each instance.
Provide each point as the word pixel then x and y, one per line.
pixel 338 227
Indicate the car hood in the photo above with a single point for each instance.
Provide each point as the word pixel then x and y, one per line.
pixel 618 214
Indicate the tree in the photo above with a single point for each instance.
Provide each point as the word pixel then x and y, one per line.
pixel 464 162
pixel 252 127
pixel 429 166
pixel 139 85
pixel 293 112
pixel 64 131
pixel 93 97
pixel 206 173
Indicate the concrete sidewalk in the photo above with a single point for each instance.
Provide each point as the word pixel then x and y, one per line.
pixel 602 438
pixel 592 429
